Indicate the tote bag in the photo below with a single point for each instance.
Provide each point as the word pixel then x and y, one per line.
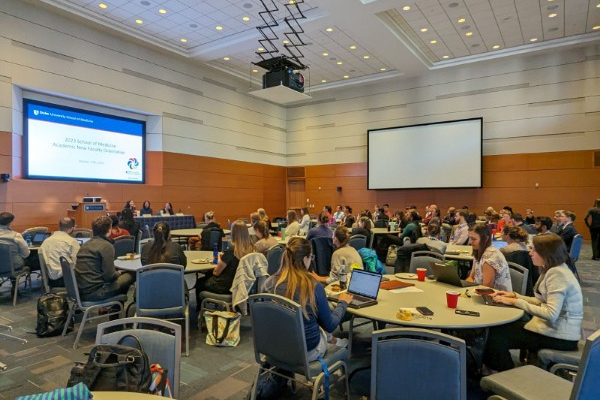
pixel 223 328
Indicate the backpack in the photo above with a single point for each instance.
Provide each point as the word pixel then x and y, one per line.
pixel 121 367
pixel 52 314
pixel 370 260
pixel 392 253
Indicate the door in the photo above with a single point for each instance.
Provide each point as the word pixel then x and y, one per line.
pixel 296 194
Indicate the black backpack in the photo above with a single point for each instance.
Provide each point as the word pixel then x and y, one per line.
pixel 52 313
pixel 122 367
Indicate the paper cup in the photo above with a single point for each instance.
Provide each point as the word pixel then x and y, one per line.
pixel 452 299
pixel 421 273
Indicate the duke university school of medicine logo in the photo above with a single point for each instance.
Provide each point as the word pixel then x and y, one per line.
pixel 132 163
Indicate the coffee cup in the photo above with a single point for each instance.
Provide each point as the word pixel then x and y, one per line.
pixel 421 273
pixel 452 298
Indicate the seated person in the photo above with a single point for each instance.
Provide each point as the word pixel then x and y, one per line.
pixel 505 219
pixel 264 217
pixel 162 249
pixel 343 254
pixel 432 241
pixel 516 238
pixel 338 215
pixel 364 228
pixel 461 234
pixel 115 230
pixel 222 277
pixel 489 265
pixel 543 225
pixel 305 221
pixel 265 241
pixel 146 209
pixel 518 221
pixel 130 205
pixel 59 244
pixel 556 310
pixel 322 229
pixel 567 230
pixel 412 231
pixel 95 269
pixel 211 225
pixel 294 282
pixel 18 247
pixel 168 210
pixel 293 227
pixel 128 223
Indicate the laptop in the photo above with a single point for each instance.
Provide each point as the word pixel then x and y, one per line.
pixel 449 274
pixel 499 244
pixel 82 240
pixel 39 238
pixel 364 287
pixel 488 300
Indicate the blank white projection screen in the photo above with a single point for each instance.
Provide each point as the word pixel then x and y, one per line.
pixel 440 155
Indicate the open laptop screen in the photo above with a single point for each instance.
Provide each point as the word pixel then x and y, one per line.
pixel 364 283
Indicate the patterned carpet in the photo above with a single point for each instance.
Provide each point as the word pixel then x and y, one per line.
pixel 209 373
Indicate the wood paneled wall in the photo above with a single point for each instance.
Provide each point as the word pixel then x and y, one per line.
pixel 565 180
pixel 195 184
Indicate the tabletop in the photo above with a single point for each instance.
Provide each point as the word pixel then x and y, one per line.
pixel 197 261
pixel 191 232
pixel 99 395
pixel 432 294
pixel 383 231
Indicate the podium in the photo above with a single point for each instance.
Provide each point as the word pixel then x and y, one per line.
pixel 86 213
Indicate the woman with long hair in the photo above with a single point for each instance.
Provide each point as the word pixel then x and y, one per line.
pixel 294 282
pixel 162 249
pixel 556 310
pixel 489 265
pixel 293 227
pixel 344 254
pixel 516 237
pixel 364 228
pixel 265 241
pixel 305 221
pixel 146 208
pixel 168 209
pixel 115 230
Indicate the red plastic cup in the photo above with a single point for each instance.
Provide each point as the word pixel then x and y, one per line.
pixel 421 272
pixel 452 299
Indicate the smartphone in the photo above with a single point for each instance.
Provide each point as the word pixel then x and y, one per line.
pixel 425 311
pixel 467 312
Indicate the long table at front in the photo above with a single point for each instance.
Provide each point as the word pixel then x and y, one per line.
pixel 174 221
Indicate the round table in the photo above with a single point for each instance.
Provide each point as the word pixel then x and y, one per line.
pixel 191 267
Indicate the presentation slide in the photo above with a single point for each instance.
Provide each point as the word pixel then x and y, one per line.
pixel 439 155
pixel 72 144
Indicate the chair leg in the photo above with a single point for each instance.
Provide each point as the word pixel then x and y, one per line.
pixel 187 334
pixel 69 317
pixel 81 326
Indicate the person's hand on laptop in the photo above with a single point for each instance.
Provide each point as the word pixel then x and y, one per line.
pixel 347 297
pixel 503 297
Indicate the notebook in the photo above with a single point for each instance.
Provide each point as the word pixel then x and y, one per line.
pixel 364 287
pixel 449 274
pixel 39 238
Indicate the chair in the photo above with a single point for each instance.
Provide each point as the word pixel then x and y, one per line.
pixel 518 277
pixel 142 243
pixel 124 245
pixel 8 272
pixel 423 259
pixel 160 293
pixel 358 241
pixel 531 383
pixel 45 280
pixel 404 354
pixel 162 348
pixel 576 247
pixel 550 357
pixel 274 256
pixel 87 307
pixel 380 223
pixel 323 251
pixel 523 259
pixel 82 233
pixel 212 237
pixel 274 316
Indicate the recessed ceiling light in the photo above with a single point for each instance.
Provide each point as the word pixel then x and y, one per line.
pixel 286 42
pixel 219 27
pixel 469 34
pixel 433 41
pixel 552 15
pixel 139 21
pixel 255 70
pixel 406 8
pixel 346 76
pixel 533 39
pixel 183 40
pixel 383 69
pixel 323 80
pixel 260 49
pixel 292 1
pixel 329 29
pixel 352 47
pixel 162 11
pixel 245 18
pixel 445 57
pixel 423 29
pixel 550 1
pixel 598 5
pixel 226 58
pixel 102 5
pixel 596 27
pixel 461 20
pixel 325 54
pixel 496 46
pixel 339 63
pixel 366 57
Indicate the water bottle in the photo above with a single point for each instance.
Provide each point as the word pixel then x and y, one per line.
pixel 389 226
pixel 28 240
pixel 343 276
pixel 282 233
pixel 216 254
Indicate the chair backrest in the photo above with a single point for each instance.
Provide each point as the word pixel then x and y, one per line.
pixel 323 250
pixel 70 281
pixel 124 245
pixel 406 353
pixel 44 271
pixel 6 265
pixel 142 243
pixel 423 259
pixel 518 277
pixel 274 257
pixel 147 232
pixel 587 384
pixel 576 247
pixel 523 258
pixel 210 237
pixel 82 233
pixel 274 316
pixel 358 241
pixel 32 231
pixel 380 223
pixel 162 348
pixel 160 290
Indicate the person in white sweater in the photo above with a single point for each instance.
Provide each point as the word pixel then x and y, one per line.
pixel 293 227
pixel 556 310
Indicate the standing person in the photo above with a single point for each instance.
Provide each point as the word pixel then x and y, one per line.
pixel 594 227
pixel 265 241
pixel 18 247
pixel 59 244
pixel 95 268
pixel 489 265
pixel 294 282
pixel 322 228
pixel 293 227
pixel 343 254
pixel 556 310
pixel 168 209
pixel 146 209
pixel 161 249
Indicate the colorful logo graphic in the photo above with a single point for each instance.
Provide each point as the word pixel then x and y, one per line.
pixel 132 163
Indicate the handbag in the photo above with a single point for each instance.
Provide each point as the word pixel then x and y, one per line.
pixel 223 328
pixel 52 314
